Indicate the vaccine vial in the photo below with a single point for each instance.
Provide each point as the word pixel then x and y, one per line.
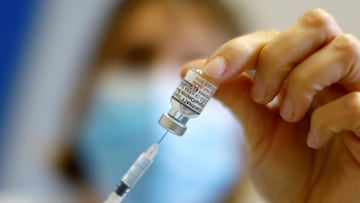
pixel 188 101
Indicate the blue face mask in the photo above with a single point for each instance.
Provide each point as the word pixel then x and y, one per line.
pixel 122 122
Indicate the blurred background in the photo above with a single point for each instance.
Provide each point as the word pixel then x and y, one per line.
pixel 83 83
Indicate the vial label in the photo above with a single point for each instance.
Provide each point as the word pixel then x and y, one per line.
pixel 194 92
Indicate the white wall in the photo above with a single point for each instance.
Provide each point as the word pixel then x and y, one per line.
pixel 278 14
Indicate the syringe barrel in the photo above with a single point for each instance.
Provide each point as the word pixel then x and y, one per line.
pixel 142 163
pixel 139 167
pixel 114 198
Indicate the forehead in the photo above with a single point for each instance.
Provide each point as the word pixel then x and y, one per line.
pixel 159 22
pixel 145 21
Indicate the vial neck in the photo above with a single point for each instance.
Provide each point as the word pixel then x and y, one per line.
pixel 178 116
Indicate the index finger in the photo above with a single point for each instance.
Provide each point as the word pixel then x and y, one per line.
pixel 235 56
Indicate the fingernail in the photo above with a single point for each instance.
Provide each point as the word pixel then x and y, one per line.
pixel 311 140
pixel 258 92
pixel 215 68
pixel 286 111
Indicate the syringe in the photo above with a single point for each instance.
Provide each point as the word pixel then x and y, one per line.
pixel 135 172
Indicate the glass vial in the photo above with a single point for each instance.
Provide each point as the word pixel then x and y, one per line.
pixel 188 101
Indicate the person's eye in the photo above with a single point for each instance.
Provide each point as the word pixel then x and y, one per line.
pixel 140 55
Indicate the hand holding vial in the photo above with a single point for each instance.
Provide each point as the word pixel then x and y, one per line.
pixel 300 111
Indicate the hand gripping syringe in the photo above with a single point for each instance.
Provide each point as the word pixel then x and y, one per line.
pixel 135 172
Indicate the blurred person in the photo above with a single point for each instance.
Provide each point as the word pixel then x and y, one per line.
pixel 126 90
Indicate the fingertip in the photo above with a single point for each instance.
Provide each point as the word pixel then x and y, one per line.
pixel 262 92
pixel 258 91
pixel 292 111
pixel 287 109
pixel 319 133
pixel 312 141
pixel 215 68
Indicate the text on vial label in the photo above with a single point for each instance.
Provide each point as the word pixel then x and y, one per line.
pixel 194 92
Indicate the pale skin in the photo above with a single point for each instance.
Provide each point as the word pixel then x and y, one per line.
pixel 305 145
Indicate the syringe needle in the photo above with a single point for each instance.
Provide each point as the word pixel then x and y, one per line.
pixel 162 137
